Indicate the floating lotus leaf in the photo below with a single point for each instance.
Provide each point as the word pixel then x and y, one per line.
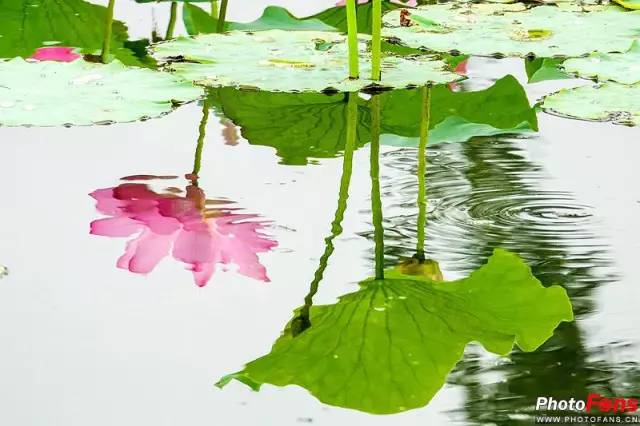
pixel 80 93
pixel 607 102
pixel 389 347
pixel 198 21
pixel 289 61
pixel 26 25
pixel 620 67
pixel 515 30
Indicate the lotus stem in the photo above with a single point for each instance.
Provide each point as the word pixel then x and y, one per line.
pixel 172 20
pixel 214 8
pixel 202 132
pixel 422 170
pixel 223 15
pixel 376 42
pixel 376 199
pixel 352 39
pixel 302 321
pixel 108 22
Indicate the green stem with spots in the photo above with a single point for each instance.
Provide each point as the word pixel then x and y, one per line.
pixel 352 39
pixel 214 8
pixel 376 43
pixel 223 16
pixel 376 199
pixel 422 170
pixel 202 132
pixel 302 321
pixel 172 20
pixel 108 23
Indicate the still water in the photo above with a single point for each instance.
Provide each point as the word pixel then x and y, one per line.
pixel 87 343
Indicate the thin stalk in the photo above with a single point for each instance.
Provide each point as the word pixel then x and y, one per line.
pixel 376 43
pixel 202 132
pixel 106 42
pixel 302 321
pixel 172 20
pixel 214 8
pixel 223 15
pixel 352 39
pixel 376 199
pixel 422 170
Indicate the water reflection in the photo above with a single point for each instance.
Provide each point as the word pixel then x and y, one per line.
pixel 389 347
pixel 202 233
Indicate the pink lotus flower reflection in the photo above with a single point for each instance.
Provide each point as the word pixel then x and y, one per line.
pixel 198 236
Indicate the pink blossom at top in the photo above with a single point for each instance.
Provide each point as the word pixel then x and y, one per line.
pixel 198 236
pixel 408 3
pixel 56 53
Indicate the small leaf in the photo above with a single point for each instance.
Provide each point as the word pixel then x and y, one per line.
pixel 543 69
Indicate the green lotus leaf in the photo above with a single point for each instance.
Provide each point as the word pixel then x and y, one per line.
pixel 29 24
pixel 389 347
pixel 300 126
pixel 458 116
pixel 515 30
pixel 613 102
pixel 82 93
pixel 198 21
pixel 337 16
pixel 543 69
pixel 629 4
pixel 620 67
pixel 306 126
pixel 290 61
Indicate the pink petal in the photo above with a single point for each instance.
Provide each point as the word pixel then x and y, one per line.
pixel 203 272
pixel 115 227
pixel 145 252
pixel 55 53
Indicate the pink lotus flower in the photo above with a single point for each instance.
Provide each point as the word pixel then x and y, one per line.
pixel 408 3
pixel 56 53
pixel 198 236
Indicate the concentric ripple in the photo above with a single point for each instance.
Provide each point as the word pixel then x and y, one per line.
pixel 487 194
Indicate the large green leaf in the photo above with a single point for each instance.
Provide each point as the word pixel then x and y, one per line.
pixel 29 24
pixel 543 69
pixel 290 61
pixel 81 93
pixel 515 30
pixel 458 116
pixel 620 67
pixel 309 126
pixel 337 16
pixel 299 126
pixel 389 347
pixel 197 21
pixel 613 102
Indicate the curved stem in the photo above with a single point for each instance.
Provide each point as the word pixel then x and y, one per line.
pixel 376 43
pixel 223 16
pixel 202 131
pixel 172 20
pixel 108 23
pixel 352 39
pixel 422 170
pixel 376 199
pixel 302 321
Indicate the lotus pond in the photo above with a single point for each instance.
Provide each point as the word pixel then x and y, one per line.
pixel 383 213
